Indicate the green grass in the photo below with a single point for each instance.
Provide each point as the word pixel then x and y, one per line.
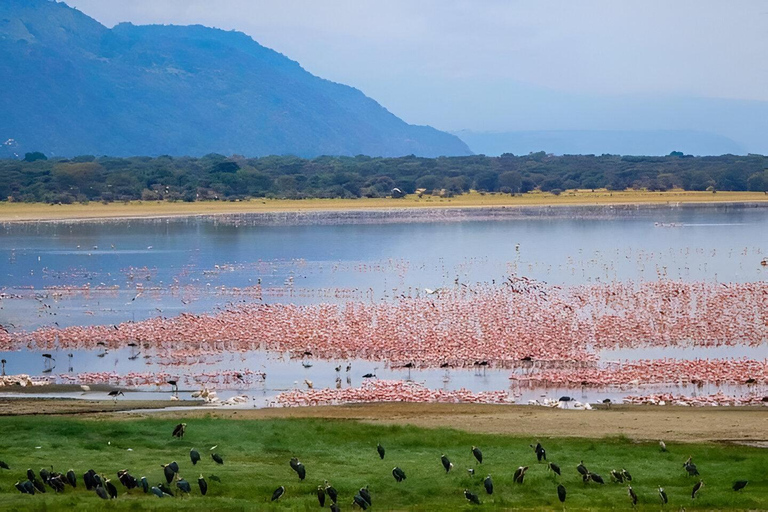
pixel 256 457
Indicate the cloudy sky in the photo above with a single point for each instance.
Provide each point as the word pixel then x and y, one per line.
pixel 477 63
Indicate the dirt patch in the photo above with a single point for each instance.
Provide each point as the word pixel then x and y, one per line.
pixel 679 424
pixel 37 406
pixel 743 425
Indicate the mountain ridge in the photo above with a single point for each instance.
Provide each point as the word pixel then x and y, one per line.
pixel 82 88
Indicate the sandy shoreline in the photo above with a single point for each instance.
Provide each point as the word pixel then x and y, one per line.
pixel 642 423
pixel 36 212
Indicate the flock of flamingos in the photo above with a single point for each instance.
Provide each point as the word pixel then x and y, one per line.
pixel 544 335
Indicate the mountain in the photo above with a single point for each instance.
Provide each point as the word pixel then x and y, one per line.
pixel 73 86
pixel 598 142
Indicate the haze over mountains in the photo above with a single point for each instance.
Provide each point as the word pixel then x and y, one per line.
pixel 72 86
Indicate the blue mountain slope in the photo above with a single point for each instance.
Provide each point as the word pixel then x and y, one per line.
pixel 72 86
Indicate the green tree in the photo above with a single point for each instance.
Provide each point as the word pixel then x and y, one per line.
pixel 36 155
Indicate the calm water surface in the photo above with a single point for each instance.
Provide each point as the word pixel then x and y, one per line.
pixel 139 269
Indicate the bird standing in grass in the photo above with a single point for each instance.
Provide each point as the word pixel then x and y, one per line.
pixel 101 492
pixel 399 474
pixel 697 488
pixel 663 496
pixel 194 456
pixel 519 474
pixel 202 484
pixel 447 464
pixel 740 484
pixel 168 472
pixel 380 450
pixel 616 476
pixel 471 497
pixel 478 454
pixel 331 492
pixel 488 484
pixel 71 478
pixel 321 495
pixel 366 495
pixel 554 467
pixel 144 484
pixel 582 469
pixel 217 458
pixel 298 467
pixel 561 493
pixel 626 475
pixel 111 489
pixel 360 502
pixel 662 446
pixel 278 493
pixel 632 495
pixel 183 485
pixel 3 465
pixel 541 453
pixel 179 430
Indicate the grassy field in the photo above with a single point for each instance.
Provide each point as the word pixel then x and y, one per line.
pixel 39 211
pixel 256 455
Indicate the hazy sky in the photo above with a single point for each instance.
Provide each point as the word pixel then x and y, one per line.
pixel 472 64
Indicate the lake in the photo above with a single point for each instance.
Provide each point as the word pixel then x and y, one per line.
pixel 92 273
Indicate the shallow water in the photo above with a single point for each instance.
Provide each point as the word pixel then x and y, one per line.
pixel 110 272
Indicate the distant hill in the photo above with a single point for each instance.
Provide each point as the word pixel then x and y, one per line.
pixel 598 142
pixel 72 86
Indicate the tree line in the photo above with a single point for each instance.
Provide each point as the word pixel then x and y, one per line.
pixel 218 177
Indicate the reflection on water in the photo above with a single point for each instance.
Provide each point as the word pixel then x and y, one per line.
pixel 107 273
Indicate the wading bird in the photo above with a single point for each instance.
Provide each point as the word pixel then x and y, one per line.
pixel 217 458
pixel 194 456
pixel 168 472
pixel 582 469
pixel 471 497
pixel 596 478
pixel 561 493
pixel 111 489
pixel 697 488
pixel 478 454
pixel 202 484
pixel 541 453
pixel 366 495
pixel 331 492
pixel 183 485
pixel 298 467
pixel 488 484
pixel 360 502
pixel 321 495
pixel 179 430
pixel 632 495
pixel 71 478
pixel 740 484
pixel 519 474
pixel 101 492
pixel 663 496
pixel 554 467
pixel 399 474
pixel 616 476
pixel 380 450
pixel 144 484
pixel 115 394
pixel 447 464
